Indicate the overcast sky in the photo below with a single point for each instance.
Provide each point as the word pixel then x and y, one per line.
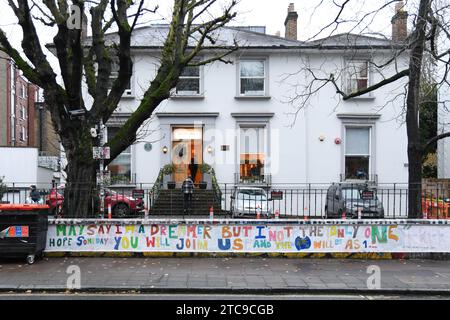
pixel 269 13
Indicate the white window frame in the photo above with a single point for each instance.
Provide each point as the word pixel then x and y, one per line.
pixel 371 154
pixel 262 93
pixel 23 134
pixel 200 85
pixel 264 125
pixel 129 92
pixel 130 154
pixel 23 113
pixel 354 78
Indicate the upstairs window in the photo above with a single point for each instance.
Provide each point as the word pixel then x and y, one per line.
pixel 23 113
pixel 23 134
pixel 252 78
pixel 189 82
pixel 115 74
pixel 357 75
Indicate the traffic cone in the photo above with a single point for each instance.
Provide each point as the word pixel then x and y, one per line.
pixel 344 215
pixel 305 218
pixel 211 213
pixel 277 214
pixel 258 212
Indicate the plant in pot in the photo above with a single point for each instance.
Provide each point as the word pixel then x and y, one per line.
pixel 169 169
pixel 205 169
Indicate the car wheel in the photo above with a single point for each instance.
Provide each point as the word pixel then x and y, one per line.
pixel 121 210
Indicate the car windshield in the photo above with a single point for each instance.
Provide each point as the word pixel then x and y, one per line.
pixel 252 194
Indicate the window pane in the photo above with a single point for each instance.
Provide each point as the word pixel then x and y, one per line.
pixel 357 75
pixel 189 85
pixel 249 86
pixel 120 167
pixel 358 69
pixel 357 141
pixel 357 167
pixel 252 68
pixel 362 84
pixel 252 153
pixel 191 72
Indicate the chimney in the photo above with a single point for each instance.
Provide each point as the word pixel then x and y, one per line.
pixel 291 23
pixel 399 23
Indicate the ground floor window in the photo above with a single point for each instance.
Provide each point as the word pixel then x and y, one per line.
pixel 357 152
pixel 252 153
pixel 120 167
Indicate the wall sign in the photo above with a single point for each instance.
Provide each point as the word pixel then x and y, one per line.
pixel 148 146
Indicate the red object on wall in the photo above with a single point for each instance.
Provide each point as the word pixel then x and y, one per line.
pixel 337 141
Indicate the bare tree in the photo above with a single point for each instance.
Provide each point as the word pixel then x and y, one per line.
pixel 429 38
pixel 191 26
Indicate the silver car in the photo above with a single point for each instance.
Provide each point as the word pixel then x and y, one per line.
pixel 248 200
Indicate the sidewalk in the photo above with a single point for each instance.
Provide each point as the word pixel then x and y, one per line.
pixel 227 275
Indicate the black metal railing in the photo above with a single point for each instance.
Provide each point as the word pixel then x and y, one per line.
pixel 304 201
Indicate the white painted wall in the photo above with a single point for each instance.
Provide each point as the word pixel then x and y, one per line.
pixel 19 165
pixel 297 155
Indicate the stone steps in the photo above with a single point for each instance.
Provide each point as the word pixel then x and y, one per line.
pixel 171 202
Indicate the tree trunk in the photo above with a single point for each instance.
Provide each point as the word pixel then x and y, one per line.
pixel 81 196
pixel 415 180
pixel 418 39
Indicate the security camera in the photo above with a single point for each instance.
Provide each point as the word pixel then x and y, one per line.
pixel 93 132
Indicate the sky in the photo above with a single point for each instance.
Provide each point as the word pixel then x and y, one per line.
pixel 269 13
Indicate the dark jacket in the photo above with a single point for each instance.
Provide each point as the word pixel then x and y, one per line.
pixel 187 186
pixel 35 195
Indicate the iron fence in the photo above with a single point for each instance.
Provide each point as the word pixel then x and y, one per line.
pixel 306 201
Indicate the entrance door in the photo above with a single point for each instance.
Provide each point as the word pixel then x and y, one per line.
pixel 187 153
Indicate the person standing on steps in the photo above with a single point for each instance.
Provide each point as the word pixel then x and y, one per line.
pixel 187 188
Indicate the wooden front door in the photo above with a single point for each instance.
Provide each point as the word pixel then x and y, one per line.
pixel 187 153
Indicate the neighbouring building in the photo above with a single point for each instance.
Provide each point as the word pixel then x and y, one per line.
pixel 24 121
pixel 238 117
pixel 17 100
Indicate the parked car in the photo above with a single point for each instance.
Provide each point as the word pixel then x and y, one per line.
pixel 247 200
pixel 122 205
pixel 353 199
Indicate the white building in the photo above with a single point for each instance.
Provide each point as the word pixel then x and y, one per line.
pixel 237 117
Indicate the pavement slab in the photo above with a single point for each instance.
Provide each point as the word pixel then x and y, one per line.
pixel 226 274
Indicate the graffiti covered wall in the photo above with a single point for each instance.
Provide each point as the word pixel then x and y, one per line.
pixel 206 237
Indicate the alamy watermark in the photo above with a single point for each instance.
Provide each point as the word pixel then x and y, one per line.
pixel 75 16
pixel 374 280
pixel 74 278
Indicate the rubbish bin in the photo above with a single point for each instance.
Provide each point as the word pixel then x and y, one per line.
pixel 23 230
